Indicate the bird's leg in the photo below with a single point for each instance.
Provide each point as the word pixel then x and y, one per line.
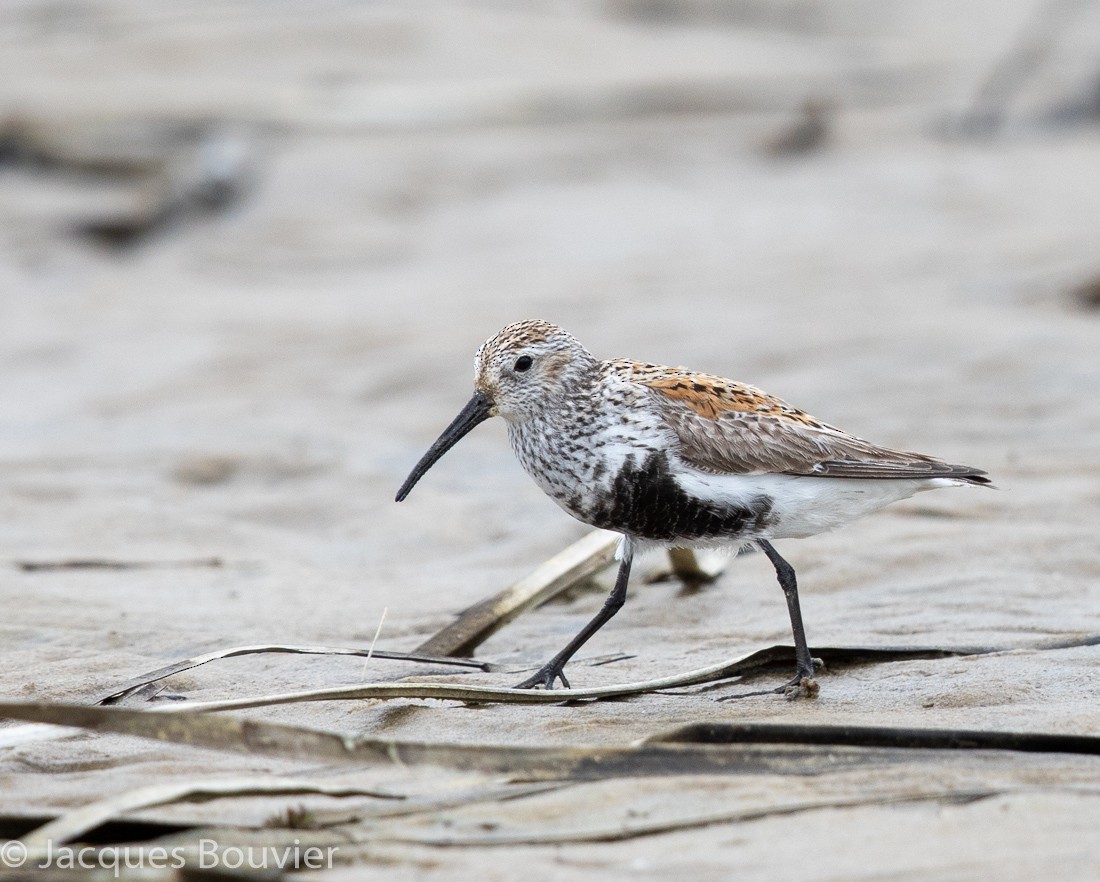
pixel 554 669
pixel 803 680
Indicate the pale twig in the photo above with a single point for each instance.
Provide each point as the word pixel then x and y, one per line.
pixel 377 632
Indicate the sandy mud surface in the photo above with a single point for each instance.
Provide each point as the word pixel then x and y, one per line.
pixel 248 250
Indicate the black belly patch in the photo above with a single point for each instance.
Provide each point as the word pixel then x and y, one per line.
pixel 645 501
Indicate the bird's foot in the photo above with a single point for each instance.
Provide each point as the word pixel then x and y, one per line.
pixel 803 684
pixel 545 676
pixel 804 687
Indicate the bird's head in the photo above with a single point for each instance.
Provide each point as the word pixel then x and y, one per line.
pixel 523 370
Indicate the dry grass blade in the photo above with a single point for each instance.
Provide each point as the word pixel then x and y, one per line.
pixel 498 694
pixel 902 737
pixel 754 749
pixel 461 692
pixel 687 567
pixel 144 680
pixel 414 806
pixel 485 618
pixel 73 824
pixel 752 663
pixel 623 832
pixel 99 563
pixel 446 692
pixel 578 763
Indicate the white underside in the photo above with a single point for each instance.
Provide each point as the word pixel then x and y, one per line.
pixel 802 505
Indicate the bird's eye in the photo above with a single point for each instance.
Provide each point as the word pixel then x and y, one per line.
pixel 523 363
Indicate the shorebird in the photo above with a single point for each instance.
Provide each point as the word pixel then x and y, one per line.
pixel 673 458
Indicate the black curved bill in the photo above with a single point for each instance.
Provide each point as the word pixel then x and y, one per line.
pixel 476 411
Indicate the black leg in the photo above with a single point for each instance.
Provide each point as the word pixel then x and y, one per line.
pixel 784 572
pixel 554 669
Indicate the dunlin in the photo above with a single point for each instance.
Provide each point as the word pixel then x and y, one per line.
pixel 672 458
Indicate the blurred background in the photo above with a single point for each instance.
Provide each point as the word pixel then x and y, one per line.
pixel 248 250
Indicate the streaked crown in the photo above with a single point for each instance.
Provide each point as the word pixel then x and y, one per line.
pixel 529 366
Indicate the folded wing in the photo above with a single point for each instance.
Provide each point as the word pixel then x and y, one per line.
pixel 730 428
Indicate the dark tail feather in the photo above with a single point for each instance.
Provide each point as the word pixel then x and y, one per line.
pixel 976 477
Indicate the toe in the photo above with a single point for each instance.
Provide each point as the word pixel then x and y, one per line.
pixel 806 687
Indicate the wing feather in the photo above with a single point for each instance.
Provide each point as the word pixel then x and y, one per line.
pixel 728 428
